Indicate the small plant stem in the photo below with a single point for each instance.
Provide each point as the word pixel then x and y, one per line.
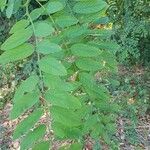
pixel 44 103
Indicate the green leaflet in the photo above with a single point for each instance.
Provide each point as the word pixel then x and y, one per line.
pixel 95 91
pixel 43 29
pixel 55 82
pixel 93 126
pixel 22 24
pixel 16 54
pixel 62 99
pixel 91 18
pixel 32 137
pixel 59 130
pixel 42 146
pixel 76 146
pixel 66 21
pixel 87 7
pixel 10 8
pixel 26 86
pixel 2 4
pixel 65 116
pixel 110 46
pixel 52 66
pixel 17 39
pixel 84 50
pixel 46 47
pixel 17 6
pixel 23 104
pixel 27 123
pixel 75 32
pixel 98 131
pixel 110 61
pixel 53 7
pixel 88 64
pixel 103 34
pixel 90 122
pixel 36 13
pixel 62 131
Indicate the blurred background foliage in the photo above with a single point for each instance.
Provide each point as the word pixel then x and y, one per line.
pixel 131 24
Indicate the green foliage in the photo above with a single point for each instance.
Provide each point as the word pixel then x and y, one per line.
pixel 27 123
pixel 131 29
pixel 64 54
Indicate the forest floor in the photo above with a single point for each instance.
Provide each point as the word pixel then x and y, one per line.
pixel 135 138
